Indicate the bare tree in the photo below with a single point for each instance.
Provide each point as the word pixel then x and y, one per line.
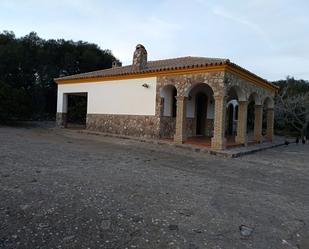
pixel 293 110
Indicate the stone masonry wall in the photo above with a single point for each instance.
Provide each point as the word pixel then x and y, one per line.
pixel 61 119
pixel 185 82
pixel 167 127
pixel 209 127
pixel 190 129
pixel 129 125
pixel 247 88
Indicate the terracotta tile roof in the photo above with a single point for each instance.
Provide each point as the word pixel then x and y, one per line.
pixel 152 66
pixel 163 65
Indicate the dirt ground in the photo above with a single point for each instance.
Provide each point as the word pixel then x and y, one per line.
pixel 63 189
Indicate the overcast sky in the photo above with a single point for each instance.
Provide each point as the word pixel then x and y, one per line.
pixel 268 37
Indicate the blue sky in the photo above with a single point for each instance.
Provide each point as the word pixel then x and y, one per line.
pixel 268 37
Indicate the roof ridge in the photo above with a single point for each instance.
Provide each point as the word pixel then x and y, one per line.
pixel 189 56
pixel 183 61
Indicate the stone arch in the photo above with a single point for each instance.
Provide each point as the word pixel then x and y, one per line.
pixel 235 92
pixel 168 84
pixel 159 102
pixel 268 102
pixel 254 96
pixel 190 86
pixel 200 109
pixel 254 99
pixel 168 95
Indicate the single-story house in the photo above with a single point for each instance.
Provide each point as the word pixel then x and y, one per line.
pixel 179 98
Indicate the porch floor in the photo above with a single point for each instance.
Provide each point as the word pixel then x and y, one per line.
pixel 205 141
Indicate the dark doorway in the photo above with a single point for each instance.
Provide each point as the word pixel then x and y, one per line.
pixel 174 103
pixel 77 110
pixel 201 113
pixel 230 116
pixel 250 116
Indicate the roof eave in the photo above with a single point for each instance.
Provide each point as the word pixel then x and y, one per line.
pixel 219 66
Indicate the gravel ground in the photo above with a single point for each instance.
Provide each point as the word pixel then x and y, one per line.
pixel 63 189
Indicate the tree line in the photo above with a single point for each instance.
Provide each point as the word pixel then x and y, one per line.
pixel 28 66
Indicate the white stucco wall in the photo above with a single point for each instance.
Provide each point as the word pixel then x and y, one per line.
pixel 127 97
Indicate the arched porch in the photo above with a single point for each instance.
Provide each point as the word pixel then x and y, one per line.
pixel 213 113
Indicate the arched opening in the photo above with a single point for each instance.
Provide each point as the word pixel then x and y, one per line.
pixel 234 95
pixel 200 114
pixel 174 102
pixel 268 118
pixel 230 119
pixel 168 97
pixel 168 111
pixel 236 113
pixel 250 116
pixel 201 101
pixel 252 101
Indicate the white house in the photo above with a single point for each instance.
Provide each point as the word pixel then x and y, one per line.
pixel 174 98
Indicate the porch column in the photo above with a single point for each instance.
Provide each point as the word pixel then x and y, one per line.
pixel 270 124
pixel 242 122
pixel 258 120
pixel 62 109
pixel 218 141
pixel 180 135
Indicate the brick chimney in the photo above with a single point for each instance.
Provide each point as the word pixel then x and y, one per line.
pixel 140 57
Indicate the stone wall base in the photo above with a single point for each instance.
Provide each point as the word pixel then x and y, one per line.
pixel 167 127
pixel 61 119
pixel 135 125
pixel 190 127
pixel 129 125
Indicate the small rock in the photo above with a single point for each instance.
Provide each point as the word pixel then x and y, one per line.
pixel 24 207
pixel 173 227
pixel 197 230
pixel 136 233
pixel 137 219
pixel 186 212
pixel 105 224
pixel 245 231
pixel 43 225
pixel 34 180
pixel 68 238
